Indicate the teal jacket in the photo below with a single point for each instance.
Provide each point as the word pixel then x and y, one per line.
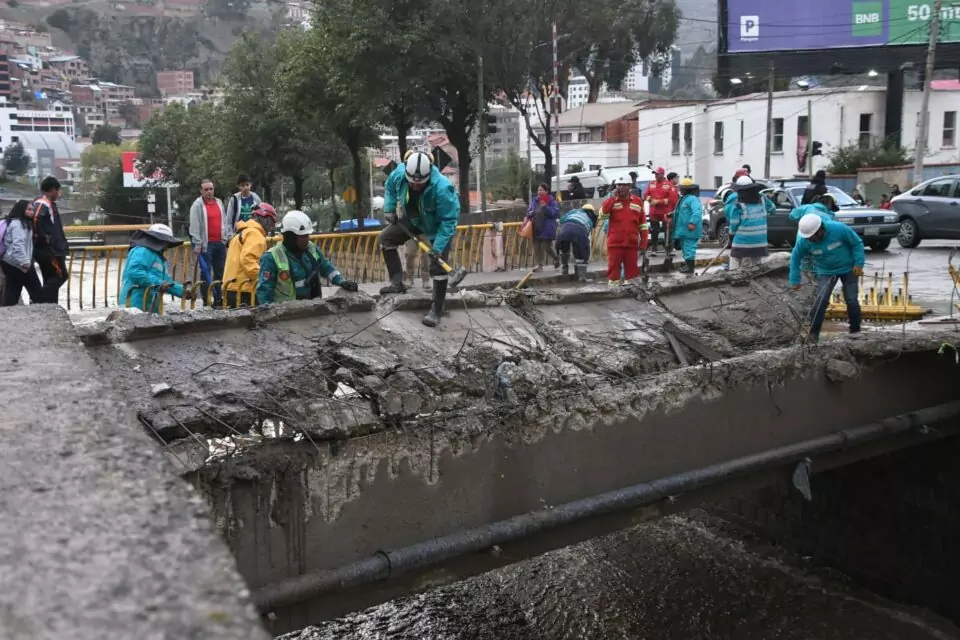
pixel 145 268
pixel 305 272
pixel 817 207
pixel 689 211
pixel 840 250
pixel 579 216
pixel 439 205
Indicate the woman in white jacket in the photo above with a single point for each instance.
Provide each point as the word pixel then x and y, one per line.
pixel 17 262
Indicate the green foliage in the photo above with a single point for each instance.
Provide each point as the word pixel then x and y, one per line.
pixel 107 134
pixel 848 159
pixel 613 36
pixel 314 89
pixel 16 161
pixel 509 178
pixel 188 145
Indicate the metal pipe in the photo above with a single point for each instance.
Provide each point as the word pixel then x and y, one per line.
pixel 385 564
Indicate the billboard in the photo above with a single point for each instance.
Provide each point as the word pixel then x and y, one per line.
pixel 764 25
pixel 132 176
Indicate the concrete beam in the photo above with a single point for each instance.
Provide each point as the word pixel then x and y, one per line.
pixel 101 538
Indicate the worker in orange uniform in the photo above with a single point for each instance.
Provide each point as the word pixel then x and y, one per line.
pixel 663 198
pixel 626 233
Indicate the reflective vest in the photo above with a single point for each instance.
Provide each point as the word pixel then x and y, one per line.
pixel 285 288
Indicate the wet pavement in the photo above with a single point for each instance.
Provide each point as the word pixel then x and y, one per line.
pixel 690 576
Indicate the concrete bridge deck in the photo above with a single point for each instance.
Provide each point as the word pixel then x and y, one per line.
pixel 348 454
pixel 363 432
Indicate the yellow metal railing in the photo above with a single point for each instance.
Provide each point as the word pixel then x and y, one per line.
pixel 879 302
pixel 96 272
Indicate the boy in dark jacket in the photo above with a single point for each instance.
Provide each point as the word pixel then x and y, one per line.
pixel 50 246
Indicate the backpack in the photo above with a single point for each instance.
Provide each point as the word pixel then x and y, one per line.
pixel 3 232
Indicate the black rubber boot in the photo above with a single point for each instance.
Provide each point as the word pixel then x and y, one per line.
pixel 395 271
pixel 432 318
pixel 581 271
pixel 565 263
pixel 688 267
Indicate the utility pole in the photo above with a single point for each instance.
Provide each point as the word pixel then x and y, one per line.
pixel 922 123
pixel 766 157
pixel 556 107
pixel 809 138
pixel 526 118
pixel 482 170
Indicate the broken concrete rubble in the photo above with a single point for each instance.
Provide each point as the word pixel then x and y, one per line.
pixel 390 433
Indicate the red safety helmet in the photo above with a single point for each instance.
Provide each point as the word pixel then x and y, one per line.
pixel 265 210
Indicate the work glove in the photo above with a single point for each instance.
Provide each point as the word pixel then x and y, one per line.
pixel 858 271
pixel 400 213
pixel 730 242
pixel 434 254
pixel 394 218
pixel 349 285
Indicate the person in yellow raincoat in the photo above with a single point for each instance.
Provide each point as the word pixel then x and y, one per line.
pixel 243 256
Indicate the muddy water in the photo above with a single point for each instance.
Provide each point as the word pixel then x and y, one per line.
pixel 683 577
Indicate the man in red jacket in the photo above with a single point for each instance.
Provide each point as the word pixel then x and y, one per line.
pixel 662 198
pixel 626 233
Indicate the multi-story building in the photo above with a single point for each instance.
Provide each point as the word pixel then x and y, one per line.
pixel 709 139
pixel 507 135
pixel 175 82
pixel 57 119
pixel 72 68
pixel 583 137
pixel 20 37
pixel 6 87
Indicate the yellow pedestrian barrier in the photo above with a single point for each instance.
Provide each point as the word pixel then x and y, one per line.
pixel 96 273
pixel 879 303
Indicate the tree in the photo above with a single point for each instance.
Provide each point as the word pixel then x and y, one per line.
pixel 96 163
pixel 266 140
pixel 187 145
pixel 107 134
pixel 314 89
pixel 607 41
pixel 846 160
pixel 508 178
pixel 16 161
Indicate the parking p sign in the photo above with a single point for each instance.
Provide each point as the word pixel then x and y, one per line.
pixel 749 28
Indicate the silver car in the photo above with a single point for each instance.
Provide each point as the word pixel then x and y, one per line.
pixel 929 211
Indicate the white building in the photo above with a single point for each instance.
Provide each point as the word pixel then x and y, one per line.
pixel 14 122
pixel 583 137
pixel 709 139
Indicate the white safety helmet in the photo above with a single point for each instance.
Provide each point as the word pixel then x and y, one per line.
pixel 418 167
pixel 744 182
pixel 809 224
pixel 160 229
pixel 623 180
pixel 164 234
pixel 297 222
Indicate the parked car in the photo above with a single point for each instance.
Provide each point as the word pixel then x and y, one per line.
pixel 877 227
pixel 929 211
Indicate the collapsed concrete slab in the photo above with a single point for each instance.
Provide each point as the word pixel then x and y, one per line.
pixel 343 428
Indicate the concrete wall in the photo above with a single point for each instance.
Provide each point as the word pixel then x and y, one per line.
pixel 891 523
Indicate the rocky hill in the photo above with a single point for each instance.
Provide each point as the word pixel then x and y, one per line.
pixel 129 43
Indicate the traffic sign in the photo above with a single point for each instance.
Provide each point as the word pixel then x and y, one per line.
pixel 350 195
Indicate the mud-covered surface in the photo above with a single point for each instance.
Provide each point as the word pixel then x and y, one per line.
pixel 353 365
pixel 689 576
